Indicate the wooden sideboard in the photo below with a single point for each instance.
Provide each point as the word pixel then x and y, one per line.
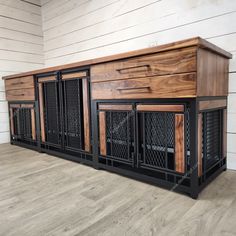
pixel 156 114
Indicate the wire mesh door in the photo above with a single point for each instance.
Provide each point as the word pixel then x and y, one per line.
pixel 162 137
pixel 73 114
pixel 116 132
pixel 22 120
pixel 51 113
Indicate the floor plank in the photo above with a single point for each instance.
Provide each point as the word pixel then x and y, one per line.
pixel 45 195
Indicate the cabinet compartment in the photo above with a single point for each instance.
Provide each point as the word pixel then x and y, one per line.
pixel 22 123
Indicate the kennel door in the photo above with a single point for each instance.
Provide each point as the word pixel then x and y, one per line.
pixel 161 132
pixel 49 111
pixel 76 111
pixel 116 132
pixel 22 123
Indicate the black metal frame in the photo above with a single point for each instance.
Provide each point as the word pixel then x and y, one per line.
pixel 188 183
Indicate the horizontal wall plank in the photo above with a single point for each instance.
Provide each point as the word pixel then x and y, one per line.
pixel 231 123
pixel 21 57
pixel 10 44
pixel 232 83
pixel 4 137
pixel 232 103
pixel 20 15
pixel 21 36
pixel 231 147
pixel 231 161
pixel 20 26
pixel 25 6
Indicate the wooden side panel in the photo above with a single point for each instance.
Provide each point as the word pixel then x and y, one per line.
pixel 48 78
pixel 179 143
pixel 21 95
pixel 212 75
pixel 102 133
pixel 86 115
pixel 171 86
pixel 11 121
pixel 79 74
pixel 224 133
pixel 33 127
pixel 200 144
pixel 167 108
pixel 110 107
pixel 41 107
pixel 211 104
pixel 171 62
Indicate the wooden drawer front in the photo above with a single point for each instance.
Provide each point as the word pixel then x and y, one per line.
pixel 177 61
pixel 21 95
pixel 20 83
pixel 171 86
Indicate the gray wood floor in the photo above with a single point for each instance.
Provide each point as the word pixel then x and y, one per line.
pixel 45 195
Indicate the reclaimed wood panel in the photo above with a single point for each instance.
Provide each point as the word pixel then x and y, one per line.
pixel 212 74
pixel 20 95
pixel 200 154
pixel 168 86
pixel 12 121
pixel 167 108
pixel 179 143
pixel 47 78
pixel 33 125
pixel 41 110
pixel 79 74
pixel 110 107
pixel 87 145
pixel 102 133
pixel 19 83
pixel 212 104
pixel 171 62
pixel 27 105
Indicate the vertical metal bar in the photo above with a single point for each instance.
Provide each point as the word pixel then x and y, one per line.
pixel 111 133
pixel 45 110
pixel 64 84
pixel 166 142
pixel 57 114
pixel 204 144
pixel 128 135
pixel 144 137
pixel 193 149
pixel 80 97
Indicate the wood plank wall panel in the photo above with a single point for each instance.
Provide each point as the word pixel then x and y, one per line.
pixel 33 124
pixel 78 30
pixel 41 109
pixel 21 40
pixel 102 133
pixel 86 116
pixel 179 143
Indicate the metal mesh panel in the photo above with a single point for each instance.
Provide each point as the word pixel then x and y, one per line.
pixel 73 114
pixel 119 134
pixel 22 123
pixel 52 122
pixel 157 141
pixel 211 137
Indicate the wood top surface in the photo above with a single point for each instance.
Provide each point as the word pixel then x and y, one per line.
pixel 196 41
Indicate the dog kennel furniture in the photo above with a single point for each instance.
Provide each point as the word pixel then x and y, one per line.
pixel 157 114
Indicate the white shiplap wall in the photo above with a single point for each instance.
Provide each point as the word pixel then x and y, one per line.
pixel 21 46
pixel 77 30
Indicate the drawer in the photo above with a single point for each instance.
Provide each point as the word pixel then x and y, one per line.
pixel 172 62
pixel 168 86
pixel 20 83
pixel 20 94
